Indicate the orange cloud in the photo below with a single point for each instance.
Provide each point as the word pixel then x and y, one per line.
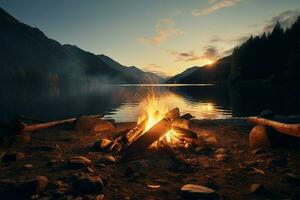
pixel 164 30
pixel 209 53
pixel 216 5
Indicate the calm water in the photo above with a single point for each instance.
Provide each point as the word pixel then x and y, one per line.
pixel 124 102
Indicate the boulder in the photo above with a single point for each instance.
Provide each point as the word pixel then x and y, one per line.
pixel 79 161
pixel 92 125
pixel 88 184
pixel 11 157
pixel 259 138
pixel 192 191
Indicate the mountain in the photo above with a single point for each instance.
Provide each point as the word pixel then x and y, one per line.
pixel 29 57
pixel 132 72
pixel 271 59
pixel 216 72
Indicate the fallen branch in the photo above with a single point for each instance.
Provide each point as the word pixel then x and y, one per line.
pixel 33 127
pixel 289 129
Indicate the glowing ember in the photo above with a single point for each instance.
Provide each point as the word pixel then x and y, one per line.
pixel 153 111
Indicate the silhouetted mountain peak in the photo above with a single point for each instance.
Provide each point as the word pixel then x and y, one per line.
pixel 5 17
pixel 28 55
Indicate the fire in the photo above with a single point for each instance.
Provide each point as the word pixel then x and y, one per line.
pixel 153 112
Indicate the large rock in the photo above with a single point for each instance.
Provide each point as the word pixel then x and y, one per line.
pixel 92 125
pixel 88 184
pixel 259 138
pixel 79 161
pixel 191 191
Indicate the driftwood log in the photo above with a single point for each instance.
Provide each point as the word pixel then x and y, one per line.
pixel 153 134
pixel 289 129
pixel 33 127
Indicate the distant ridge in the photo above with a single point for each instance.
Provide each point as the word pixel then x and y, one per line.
pixel 29 57
pixel 215 72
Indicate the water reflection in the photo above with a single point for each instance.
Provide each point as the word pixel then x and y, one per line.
pixel 125 102
pixel 200 109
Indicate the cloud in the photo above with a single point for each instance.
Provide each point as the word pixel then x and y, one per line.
pixel 156 69
pixel 164 30
pixel 215 39
pixel 210 53
pixel 184 56
pixel 286 20
pixel 215 6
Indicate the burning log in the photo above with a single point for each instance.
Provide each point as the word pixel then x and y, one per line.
pixel 180 132
pixel 152 135
pixel 181 123
pixel 136 132
pixel 123 141
pixel 289 129
pixel 33 127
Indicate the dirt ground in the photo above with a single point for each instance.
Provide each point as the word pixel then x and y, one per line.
pixel 225 164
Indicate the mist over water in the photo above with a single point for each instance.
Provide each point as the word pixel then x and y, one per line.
pixel 125 102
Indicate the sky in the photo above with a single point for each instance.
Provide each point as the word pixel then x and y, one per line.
pixel 162 36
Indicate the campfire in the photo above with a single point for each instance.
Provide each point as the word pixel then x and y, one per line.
pixel 156 127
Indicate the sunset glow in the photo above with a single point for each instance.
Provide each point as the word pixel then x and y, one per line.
pixel 164 38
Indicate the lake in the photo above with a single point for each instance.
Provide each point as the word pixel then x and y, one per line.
pixel 125 102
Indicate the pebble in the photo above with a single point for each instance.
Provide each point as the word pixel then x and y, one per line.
pixel 79 161
pixel 211 141
pixel 28 166
pixel 221 157
pixel 90 170
pixel 107 158
pixel 221 151
pixel 192 191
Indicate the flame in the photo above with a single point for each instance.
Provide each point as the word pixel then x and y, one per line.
pixel 153 112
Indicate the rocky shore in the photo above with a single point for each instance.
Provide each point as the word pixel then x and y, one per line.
pixel 66 162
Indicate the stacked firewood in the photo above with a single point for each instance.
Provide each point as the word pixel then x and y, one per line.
pixel 137 140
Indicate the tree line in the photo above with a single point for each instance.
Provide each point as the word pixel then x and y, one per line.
pixel 271 58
